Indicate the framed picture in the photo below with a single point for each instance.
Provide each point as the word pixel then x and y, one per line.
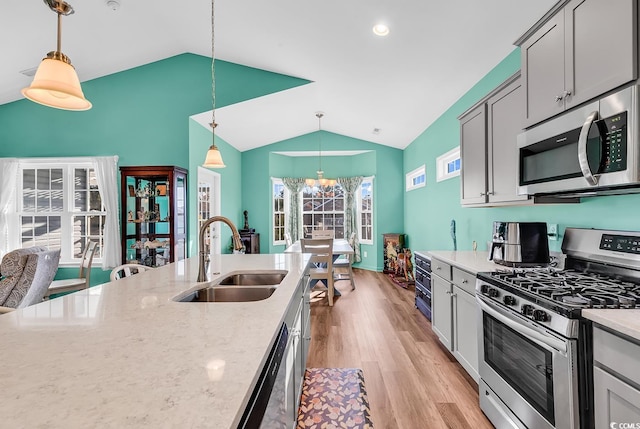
pixel 161 190
pixel 132 191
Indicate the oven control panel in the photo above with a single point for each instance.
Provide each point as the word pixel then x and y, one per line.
pixel 621 243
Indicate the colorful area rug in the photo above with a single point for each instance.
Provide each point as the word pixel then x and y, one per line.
pixel 334 398
pixel 401 281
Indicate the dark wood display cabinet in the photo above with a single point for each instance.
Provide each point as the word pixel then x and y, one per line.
pixel 154 214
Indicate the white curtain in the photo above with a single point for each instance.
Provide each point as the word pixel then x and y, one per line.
pixel 107 174
pixel 8 184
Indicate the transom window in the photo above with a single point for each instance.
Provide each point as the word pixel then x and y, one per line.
pixel 59 207
pixel 448 164
pixel 416 178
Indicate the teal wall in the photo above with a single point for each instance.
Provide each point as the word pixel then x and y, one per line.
pixel 142 115
pixel 429 210
pixel 385 163
pixel 230 179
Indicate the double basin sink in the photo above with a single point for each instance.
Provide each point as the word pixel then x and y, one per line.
pixel 237 286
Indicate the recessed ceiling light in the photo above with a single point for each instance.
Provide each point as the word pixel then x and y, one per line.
pixel 380 30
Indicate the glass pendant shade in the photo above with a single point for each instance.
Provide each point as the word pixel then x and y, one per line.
pixel 214 158
pixel 56 84
pixel 310 182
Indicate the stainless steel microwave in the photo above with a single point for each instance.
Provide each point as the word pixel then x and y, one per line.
pixel 593 150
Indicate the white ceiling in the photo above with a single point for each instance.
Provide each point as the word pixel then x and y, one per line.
pixel 435 52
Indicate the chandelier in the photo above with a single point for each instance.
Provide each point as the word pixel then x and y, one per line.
pixel 321 180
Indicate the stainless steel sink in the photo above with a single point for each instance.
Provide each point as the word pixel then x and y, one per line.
pixel 237 286
pixel 229 294
pixel 253 278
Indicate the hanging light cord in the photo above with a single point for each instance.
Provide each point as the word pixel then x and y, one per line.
pixel 319 115
pixel 213 73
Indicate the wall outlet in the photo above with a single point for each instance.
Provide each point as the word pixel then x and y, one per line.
pixel 364 253
pixel 552 231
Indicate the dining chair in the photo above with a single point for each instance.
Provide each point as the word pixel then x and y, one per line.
pixel 321 250
pixel 39 270
pixel 82 281
pixel 345 262
pixel 322 233
pixel 127 270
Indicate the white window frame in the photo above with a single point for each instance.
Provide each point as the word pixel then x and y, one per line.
pixel 412 179
pixel 444 160
pixel 310 228
pixel 66 228
pixel 361 212
pixel 277 181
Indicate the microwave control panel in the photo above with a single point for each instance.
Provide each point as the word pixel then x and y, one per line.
pixel 621 243
pixel 613 131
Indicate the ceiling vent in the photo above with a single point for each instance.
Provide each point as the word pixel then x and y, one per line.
pixel 29 72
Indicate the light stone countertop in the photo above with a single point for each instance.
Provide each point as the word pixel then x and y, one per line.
pixel 621 320
pixel 468 260
pixel 124 355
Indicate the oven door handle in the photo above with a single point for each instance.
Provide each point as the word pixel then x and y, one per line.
pixel 538 337
pixel 583 160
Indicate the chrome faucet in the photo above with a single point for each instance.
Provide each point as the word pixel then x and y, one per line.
pixel 237 243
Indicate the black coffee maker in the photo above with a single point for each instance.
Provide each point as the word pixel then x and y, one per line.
pixel 520 244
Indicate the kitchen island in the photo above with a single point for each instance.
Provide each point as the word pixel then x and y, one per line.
pixel 125 355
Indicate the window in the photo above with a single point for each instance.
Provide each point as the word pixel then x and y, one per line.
pixel 416 178
pixel 365 205
pixel 323 208
pixel 59 206
pixel 448 164
pixel 279 211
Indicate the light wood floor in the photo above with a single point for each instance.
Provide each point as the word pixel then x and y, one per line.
pixel 412 382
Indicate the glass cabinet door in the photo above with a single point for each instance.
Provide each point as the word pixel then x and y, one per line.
pixel 154 215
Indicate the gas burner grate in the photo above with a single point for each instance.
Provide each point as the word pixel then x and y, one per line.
pixel 573 289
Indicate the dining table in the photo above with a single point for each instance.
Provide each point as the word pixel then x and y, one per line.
pixel 340 247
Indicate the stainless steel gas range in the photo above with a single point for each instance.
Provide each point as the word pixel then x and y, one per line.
pixel 534 346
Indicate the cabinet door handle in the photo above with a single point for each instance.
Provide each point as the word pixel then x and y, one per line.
pixel 558 98
pixel 482 194
pixel 566 94
pixel 437 268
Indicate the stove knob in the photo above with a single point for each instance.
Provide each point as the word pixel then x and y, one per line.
pixel 484 289
pixel 527 310
pixel 493 293
pixel 540 316
pixel 509 300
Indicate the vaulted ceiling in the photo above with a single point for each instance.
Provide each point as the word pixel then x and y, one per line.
pixel 398 84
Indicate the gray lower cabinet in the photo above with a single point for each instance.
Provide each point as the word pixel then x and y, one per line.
pixel 489 149
pixel 616 380
pixel 465 331
pixel 454 313
pixel 441 310
pixel 566 62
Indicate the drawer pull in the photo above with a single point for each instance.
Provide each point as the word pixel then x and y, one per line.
pixel 464 281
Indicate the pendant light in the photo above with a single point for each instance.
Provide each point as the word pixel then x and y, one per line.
pixel 214 158
pixel 56 82
pixel 321 180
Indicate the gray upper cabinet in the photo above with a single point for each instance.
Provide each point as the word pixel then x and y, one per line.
pixel 587 48
pixel 489 149
pixel 505 119
pixel 543 70
pixel 473 149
